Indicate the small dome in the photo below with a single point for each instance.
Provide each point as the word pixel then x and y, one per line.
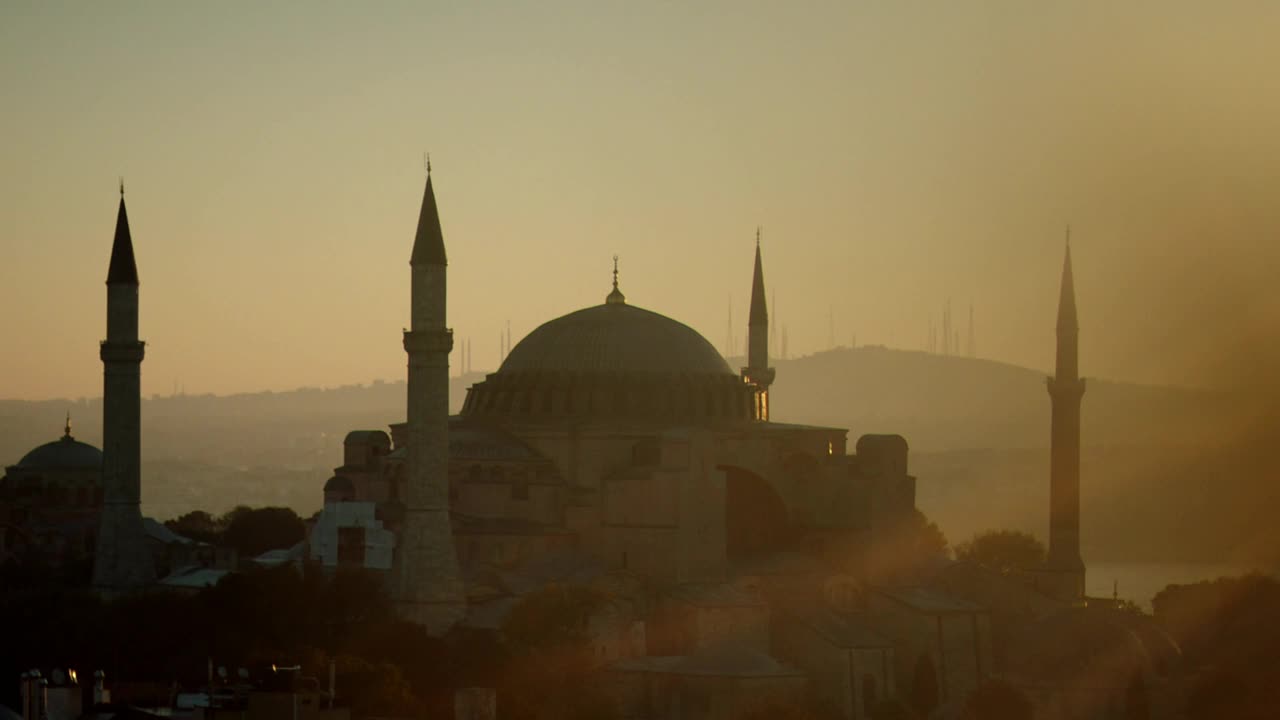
pixel 615 337
pixel 339 484
pixel 65 454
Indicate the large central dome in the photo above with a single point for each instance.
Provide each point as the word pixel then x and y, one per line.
pixel 612 362
pixel 615 337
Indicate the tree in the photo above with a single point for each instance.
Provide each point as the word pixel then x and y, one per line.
pixel 900 550
pixel 998 700
pixel 1227 630
pixel 1003 550
pixel 197 525
pixel 253 531
pixel 551 617
pixel 548 641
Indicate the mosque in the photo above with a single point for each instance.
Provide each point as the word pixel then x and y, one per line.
pixel 742 558
pixel 614 447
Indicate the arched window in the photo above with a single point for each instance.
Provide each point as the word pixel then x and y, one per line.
pixel 1136 705
pixel 869 693
pixel 924 687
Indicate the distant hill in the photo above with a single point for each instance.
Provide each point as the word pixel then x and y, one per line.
pixel 1169 474
pixel 943 402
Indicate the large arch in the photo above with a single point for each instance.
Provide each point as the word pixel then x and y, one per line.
pixel 756 518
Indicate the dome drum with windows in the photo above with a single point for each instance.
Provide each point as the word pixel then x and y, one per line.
pixel 614 361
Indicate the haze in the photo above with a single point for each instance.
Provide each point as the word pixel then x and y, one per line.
pixel 897 155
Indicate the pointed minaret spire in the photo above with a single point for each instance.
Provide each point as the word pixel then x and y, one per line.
pixel 759 311
pixel 1067 298
pixel 123 270
pixel 757 374
pixel 428 243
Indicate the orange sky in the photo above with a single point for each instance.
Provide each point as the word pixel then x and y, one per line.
pixel 896 155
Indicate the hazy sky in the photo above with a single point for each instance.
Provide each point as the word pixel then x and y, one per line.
pixel 897 154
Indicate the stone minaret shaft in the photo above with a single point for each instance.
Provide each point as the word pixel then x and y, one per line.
pixel 757 373
pixel 1066 389
pixel 430 587
pixel 122 561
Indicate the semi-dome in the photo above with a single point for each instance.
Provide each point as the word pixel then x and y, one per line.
pixel 64 454
pixel 615 337
pixel 617 362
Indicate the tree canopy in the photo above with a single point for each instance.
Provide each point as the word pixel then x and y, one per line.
pixel 253 531
pixel 1229 636
pixel 549 673
pixel 1003 550
pixel 897 552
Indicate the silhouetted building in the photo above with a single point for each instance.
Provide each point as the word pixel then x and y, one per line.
pixel 51 502
pixel 615 447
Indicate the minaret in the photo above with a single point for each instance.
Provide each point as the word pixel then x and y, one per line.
pixel 757 373
pixel 1065 391
pixel 430 590
pixel 121 562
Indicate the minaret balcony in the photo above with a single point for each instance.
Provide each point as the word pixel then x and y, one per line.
pixel 1065 387
pixel 760 377
pixel 121 351
pixel 428 341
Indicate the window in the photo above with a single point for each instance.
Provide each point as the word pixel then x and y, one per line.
pixel 868 693
pixel 645 453
pixel 350 547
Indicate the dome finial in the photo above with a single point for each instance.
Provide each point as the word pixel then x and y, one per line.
pixel 615 297
pixel 66 429
pixel 121 186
